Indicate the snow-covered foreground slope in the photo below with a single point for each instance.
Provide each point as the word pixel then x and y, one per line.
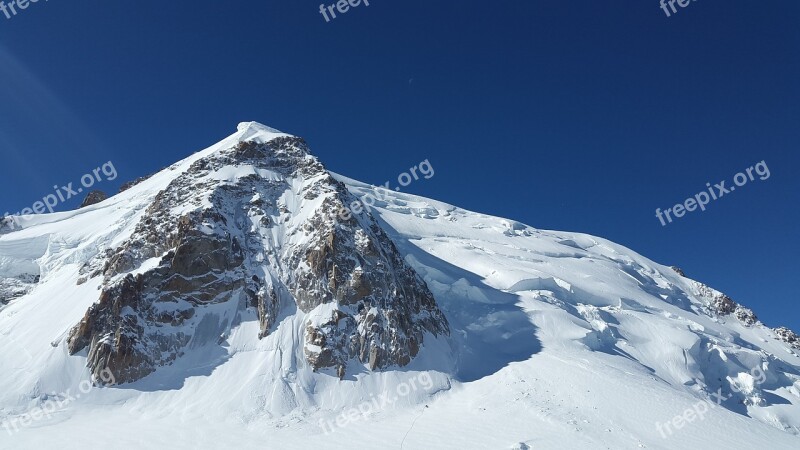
pixel 557 340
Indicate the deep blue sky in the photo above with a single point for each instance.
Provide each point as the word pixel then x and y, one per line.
pixel 579 115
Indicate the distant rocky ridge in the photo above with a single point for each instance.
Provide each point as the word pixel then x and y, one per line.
pixel 788 336
pixel 93 198
pixel 129 184
pixel 722 305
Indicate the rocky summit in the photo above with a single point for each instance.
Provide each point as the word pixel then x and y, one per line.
pixel 252 230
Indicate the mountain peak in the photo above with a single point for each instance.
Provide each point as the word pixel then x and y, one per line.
pixel 249 131
pixel 246 234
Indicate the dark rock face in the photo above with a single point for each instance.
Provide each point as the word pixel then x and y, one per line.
pixel 9 224
pixel 94 198
pixel 723 304
pixel 210 252
pixel 719 304
pixel 788 336
pixel 12 288
pixel 384 307
pixel 745 315
pixel 129 184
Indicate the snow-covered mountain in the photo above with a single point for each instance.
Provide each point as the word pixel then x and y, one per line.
pixel 226 302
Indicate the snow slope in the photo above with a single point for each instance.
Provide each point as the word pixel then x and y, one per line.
pixel 559 340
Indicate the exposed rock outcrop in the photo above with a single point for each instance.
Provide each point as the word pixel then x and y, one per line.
pixel 9 224
pixel 94 198
pixel 15 287
pixel 129 184
pixel 719 304
pixel 788 336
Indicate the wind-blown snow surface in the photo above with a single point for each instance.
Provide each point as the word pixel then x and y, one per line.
pixel 559 340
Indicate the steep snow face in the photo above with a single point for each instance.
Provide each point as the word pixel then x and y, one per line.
pixel 586 294
pixel 227 298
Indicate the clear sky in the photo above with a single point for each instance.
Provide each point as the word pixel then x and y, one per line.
pixel 578 115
